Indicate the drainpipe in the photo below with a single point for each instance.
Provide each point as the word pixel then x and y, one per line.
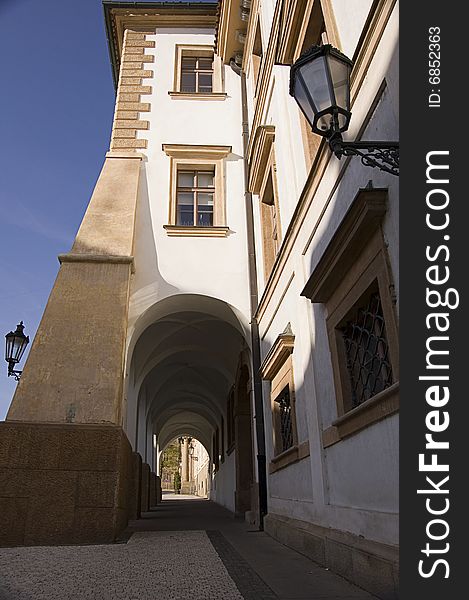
pixel 254 300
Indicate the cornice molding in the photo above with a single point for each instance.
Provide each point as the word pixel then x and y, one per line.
pixel 197 96
pixel 362 219
pixel 196 151
pixel 194 231
pixel 278 354
pixel 147 16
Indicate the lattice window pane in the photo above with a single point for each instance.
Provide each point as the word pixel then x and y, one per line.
pixel 285 428
pixel 367 351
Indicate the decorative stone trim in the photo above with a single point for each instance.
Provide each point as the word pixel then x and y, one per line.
pixel 125 133
pixel 278 354
pixel 191 96
pixel 195 151
pixel 138 89
pixel 289 457
pixel 194 231
pixel 128 144
pixel 130 88
pixel 259 156
pixel 362 219
pixel 198 156
pixel 96 258
pixel 375 409
pixel 126 114
pixel 143 58
pixel 138 106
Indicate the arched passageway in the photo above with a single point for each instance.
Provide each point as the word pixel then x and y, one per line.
pixel 189 375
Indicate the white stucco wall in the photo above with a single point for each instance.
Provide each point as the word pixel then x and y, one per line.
pixel 168 265
pixel 351 485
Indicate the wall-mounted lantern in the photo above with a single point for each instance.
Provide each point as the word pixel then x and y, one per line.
pixel 320 84
pixel 15 345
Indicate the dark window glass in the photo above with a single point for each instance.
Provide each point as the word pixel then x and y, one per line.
pixel 366 349
pixel 197 74
pixel 284 428
pixel 195 198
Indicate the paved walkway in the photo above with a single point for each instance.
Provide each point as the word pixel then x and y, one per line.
pixel 185 549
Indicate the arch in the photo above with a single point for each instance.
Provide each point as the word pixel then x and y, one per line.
pixel 183 359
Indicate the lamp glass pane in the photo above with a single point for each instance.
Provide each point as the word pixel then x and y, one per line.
pixel 19 346
pixel 340 74
pixel 315 79
pixel 8 347
pixel 302 99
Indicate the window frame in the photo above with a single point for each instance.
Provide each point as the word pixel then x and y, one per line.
pixel 277 368
pixel 271 231
pixel 197 51
pixel 355 260
pixel 195 190
pixel 198 158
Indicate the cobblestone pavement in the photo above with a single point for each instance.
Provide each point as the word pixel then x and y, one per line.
pixel 186 548
pixel 177 565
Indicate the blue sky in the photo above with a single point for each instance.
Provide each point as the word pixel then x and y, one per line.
pixel 56 110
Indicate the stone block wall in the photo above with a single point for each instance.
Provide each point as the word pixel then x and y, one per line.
pixel 63 483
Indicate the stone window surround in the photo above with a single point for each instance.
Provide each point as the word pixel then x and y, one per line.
pixel 278 369
pixel 355 259
pixel 261 165
pixel 198 157
pixel 195 50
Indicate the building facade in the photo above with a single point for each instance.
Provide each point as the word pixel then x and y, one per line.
pixel 242 285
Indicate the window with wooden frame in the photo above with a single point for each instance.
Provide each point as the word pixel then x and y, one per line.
pixel 262 181
pixel 257 56
pixel 278 369
pixel 306 23
pixel 197 190
pixel 353 280
pixel 270 221
pixel 198 73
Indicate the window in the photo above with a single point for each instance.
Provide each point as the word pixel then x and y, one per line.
pixel 305 23
pixel 284 420
pixel 197 74
pixel 270 224
pixel 194 197
pixel 197 190
pixel 257 56
pixel 262 181
pixel 302 25
pixel 278 369
pixel 366 348
pixel 353 281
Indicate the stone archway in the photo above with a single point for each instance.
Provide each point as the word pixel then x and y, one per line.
pixel 187 354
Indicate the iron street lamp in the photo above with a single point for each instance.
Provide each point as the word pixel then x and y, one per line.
pixel 15 345
pixel 320 84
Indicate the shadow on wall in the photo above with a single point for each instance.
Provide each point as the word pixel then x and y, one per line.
pixel 148 285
